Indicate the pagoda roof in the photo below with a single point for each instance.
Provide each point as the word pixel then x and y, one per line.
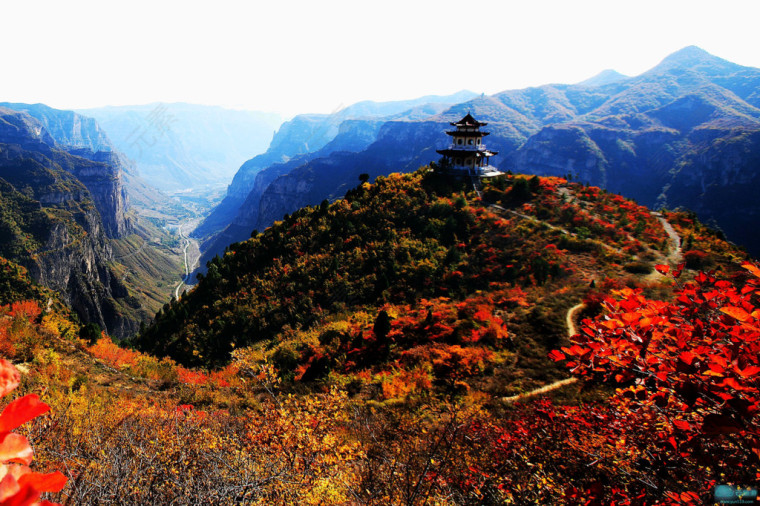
pixel 464 133
pixel 463 153
pixel 468 121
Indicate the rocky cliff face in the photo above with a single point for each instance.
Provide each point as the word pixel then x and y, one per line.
pixel 303 135
pixel 63 244
pixel 66 127
pixel 22 130
pixel 104 178
pixel 77 267
pixel 56 215
pixel 238 214
pixel 267 202
pixel 719 181
pixel 636 162
pixel 650 156
pixel 353 136
pixel 95 162
pixel 288 142
pixel 398 144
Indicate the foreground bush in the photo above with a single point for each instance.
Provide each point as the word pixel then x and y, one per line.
pixel 19 485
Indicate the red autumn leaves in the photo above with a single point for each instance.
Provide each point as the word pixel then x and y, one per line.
pixel 691 366
pixel 19 485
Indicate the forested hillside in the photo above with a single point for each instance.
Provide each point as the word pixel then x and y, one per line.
pixel 465 268
pixel 410 326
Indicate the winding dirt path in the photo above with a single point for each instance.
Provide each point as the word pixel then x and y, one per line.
pixel 541 390
pixel 549 225
pixel 571 331
pixel 673 257
pixel 570 319
pixel 675 254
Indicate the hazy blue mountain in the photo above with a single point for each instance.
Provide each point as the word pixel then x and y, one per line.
pixel 685 133
pixel 379 109
pixel 179 146
pixel 83 136
pixel 311 133
pixel 66 127
pixel 607 76
pixel 681 134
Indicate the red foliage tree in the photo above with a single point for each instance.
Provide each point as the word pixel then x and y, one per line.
pixel 689 378
pixel 19 486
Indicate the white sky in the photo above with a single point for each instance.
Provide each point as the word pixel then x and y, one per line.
pixel 317 56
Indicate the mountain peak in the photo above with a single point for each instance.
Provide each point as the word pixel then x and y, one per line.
pixel 606 76
pixel 689 52
pixel 694 58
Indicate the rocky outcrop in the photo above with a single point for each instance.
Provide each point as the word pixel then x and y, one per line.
pixel 103 177
pixel 66 127
pixel 58 212
pixel 77 267
pixel 95 162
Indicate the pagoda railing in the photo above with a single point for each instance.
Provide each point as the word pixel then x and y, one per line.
pixel 467 147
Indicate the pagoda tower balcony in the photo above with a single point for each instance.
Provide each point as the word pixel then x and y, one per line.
pixel 467 147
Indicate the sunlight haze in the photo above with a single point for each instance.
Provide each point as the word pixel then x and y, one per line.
pixel 293 56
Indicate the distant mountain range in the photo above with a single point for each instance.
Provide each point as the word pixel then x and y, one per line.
pixel 307 137
pixel 684 133
pixel 604 77
pixel 84 137
pixel 178 146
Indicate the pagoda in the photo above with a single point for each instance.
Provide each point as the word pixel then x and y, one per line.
pixel 467 155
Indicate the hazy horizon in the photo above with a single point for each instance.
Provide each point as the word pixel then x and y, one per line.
pixel 303 57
